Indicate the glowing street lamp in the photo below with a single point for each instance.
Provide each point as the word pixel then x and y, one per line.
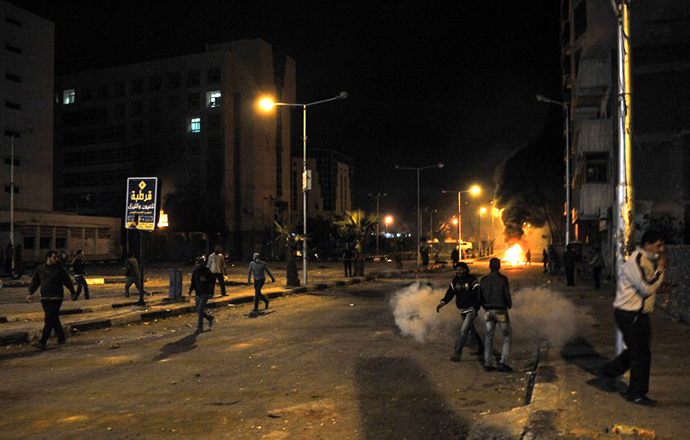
pixel 387 221
pixel 474 190
pixel 267 104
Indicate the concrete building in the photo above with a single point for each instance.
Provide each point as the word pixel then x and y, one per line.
pixel 193 122
pixel 660 36
pixel 331 193
pixel 26 120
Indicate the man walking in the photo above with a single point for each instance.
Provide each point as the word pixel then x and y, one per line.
pixel 347 260
pixel 79 268
pixel 495 299
pixel 50 277
pixel 132 274
pixel 597 265
pixel 259 269
pixel 569 262
pixel 216 262
pixel 202 280
pixel 640 277
pixel 465 288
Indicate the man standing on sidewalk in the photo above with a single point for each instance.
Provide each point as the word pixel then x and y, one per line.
pixel 50 277
pixel 216 262
pixel 78 266
pixel 640 277
pixel 132 274
pixel 259 269
pixel 465 288
pixel 496 300
pixel 202 280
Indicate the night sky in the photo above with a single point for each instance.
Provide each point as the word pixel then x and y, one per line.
pixel 453 83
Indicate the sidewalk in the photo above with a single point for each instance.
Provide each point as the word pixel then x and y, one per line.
pixel 570 400
pixel 21 322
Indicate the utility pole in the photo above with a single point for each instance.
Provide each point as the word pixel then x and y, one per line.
pixel 624 231
pixel 377 196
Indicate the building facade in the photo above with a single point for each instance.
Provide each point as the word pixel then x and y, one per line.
pixel 193 122
pixel 660 36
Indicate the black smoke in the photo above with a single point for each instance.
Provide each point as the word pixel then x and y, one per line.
pixel 529 184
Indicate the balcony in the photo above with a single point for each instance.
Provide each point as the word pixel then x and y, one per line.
pixel 591 136
pixel 591 88
pixel 593 201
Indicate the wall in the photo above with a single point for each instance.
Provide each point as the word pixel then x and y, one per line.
pixel 676 299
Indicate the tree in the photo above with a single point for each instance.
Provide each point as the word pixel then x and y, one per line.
pixel 356 226
pixel 287 235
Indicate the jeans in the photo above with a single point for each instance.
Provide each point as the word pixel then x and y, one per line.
pixel 348 267
pixel 128 284
pixel 467 328
pixel 637 334
pixel 258 284
pixel 220 279
pixel 81 282
pixel 201 301
pixel 51 312
pixel 500 317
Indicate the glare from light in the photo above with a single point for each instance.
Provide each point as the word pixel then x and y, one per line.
pixel 454 221
pixel 388 220
pixel 266 103
pixel 475 190
pixel 482 210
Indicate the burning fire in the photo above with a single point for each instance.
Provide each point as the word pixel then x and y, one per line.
pixel 514 255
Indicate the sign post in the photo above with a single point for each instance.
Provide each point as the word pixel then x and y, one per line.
pixel 140 214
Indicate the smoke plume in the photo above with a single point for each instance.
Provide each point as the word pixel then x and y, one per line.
pixel 414 309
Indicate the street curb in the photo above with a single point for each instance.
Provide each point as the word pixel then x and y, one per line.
pixel 544 398
pixel 15 337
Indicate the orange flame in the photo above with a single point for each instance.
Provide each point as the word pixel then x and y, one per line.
pixel 514 254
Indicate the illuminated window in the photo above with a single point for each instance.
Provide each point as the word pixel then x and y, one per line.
pixel 194 125
pixel 213 99
pixel 68 96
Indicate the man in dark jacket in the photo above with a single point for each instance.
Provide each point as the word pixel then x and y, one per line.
pixel 202 284
pixel 465 288
pixel 132 274
pixel 50 277
pixel 79 268
pixel 495 299
pixel 569 262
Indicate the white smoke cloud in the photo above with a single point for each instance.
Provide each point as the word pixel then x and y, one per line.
pixel 537 314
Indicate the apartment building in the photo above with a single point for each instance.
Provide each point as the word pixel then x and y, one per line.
pixel 192 121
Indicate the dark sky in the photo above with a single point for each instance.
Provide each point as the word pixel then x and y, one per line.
pixel 428 82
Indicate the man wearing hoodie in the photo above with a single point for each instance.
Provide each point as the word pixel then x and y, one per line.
pixel 640 277
pixel 50 277
pixel 495 299
pixel 259 269
pixel 465 288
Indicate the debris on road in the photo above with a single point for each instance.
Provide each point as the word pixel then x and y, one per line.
pixel 631 431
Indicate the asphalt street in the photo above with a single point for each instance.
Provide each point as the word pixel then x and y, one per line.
pixel 327 365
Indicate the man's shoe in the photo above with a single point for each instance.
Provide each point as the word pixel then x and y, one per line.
pixel 504 368
pixel 455 357
pixel 641 400
pixel 40 345
pixel 488 368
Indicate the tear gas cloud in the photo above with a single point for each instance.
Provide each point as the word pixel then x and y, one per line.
pixel 537 314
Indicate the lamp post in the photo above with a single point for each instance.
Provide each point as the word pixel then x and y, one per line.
pixel 268 104
pixel 568 211
pixel 419 223
pixel 377 195
pixel 474 190
pixel 481 211
pixel 14 134
pixel 431 223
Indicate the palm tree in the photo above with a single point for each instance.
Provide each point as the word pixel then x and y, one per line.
pixel 356 226
pixel 286 233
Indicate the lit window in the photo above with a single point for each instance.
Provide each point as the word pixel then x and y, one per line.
pixel 68 97
pixel 194 125
pixel 213 99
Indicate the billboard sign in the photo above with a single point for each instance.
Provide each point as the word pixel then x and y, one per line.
pixel 140 209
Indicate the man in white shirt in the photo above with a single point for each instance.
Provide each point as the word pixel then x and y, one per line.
pixel 640 277
pixel 216 263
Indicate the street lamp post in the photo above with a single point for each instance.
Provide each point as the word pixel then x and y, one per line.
pixel 419 223
pixel 474 190
pixel 14 134
pixel 568 211
pixel 431 223
pixel 378 195
pixel 481 211
pixel 268 104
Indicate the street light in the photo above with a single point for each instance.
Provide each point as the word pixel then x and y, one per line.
pixel 474 190
pixel 568 213
pixel 268 104
pixel 419 224
pixel 388 220
pixel 13 135
pixel 378 195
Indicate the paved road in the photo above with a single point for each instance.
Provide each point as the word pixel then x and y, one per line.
pixel 333 365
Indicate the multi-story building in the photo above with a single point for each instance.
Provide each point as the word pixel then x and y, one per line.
pixel 26 120
pixel 331 193
pixel 192 121
pixel 660 36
